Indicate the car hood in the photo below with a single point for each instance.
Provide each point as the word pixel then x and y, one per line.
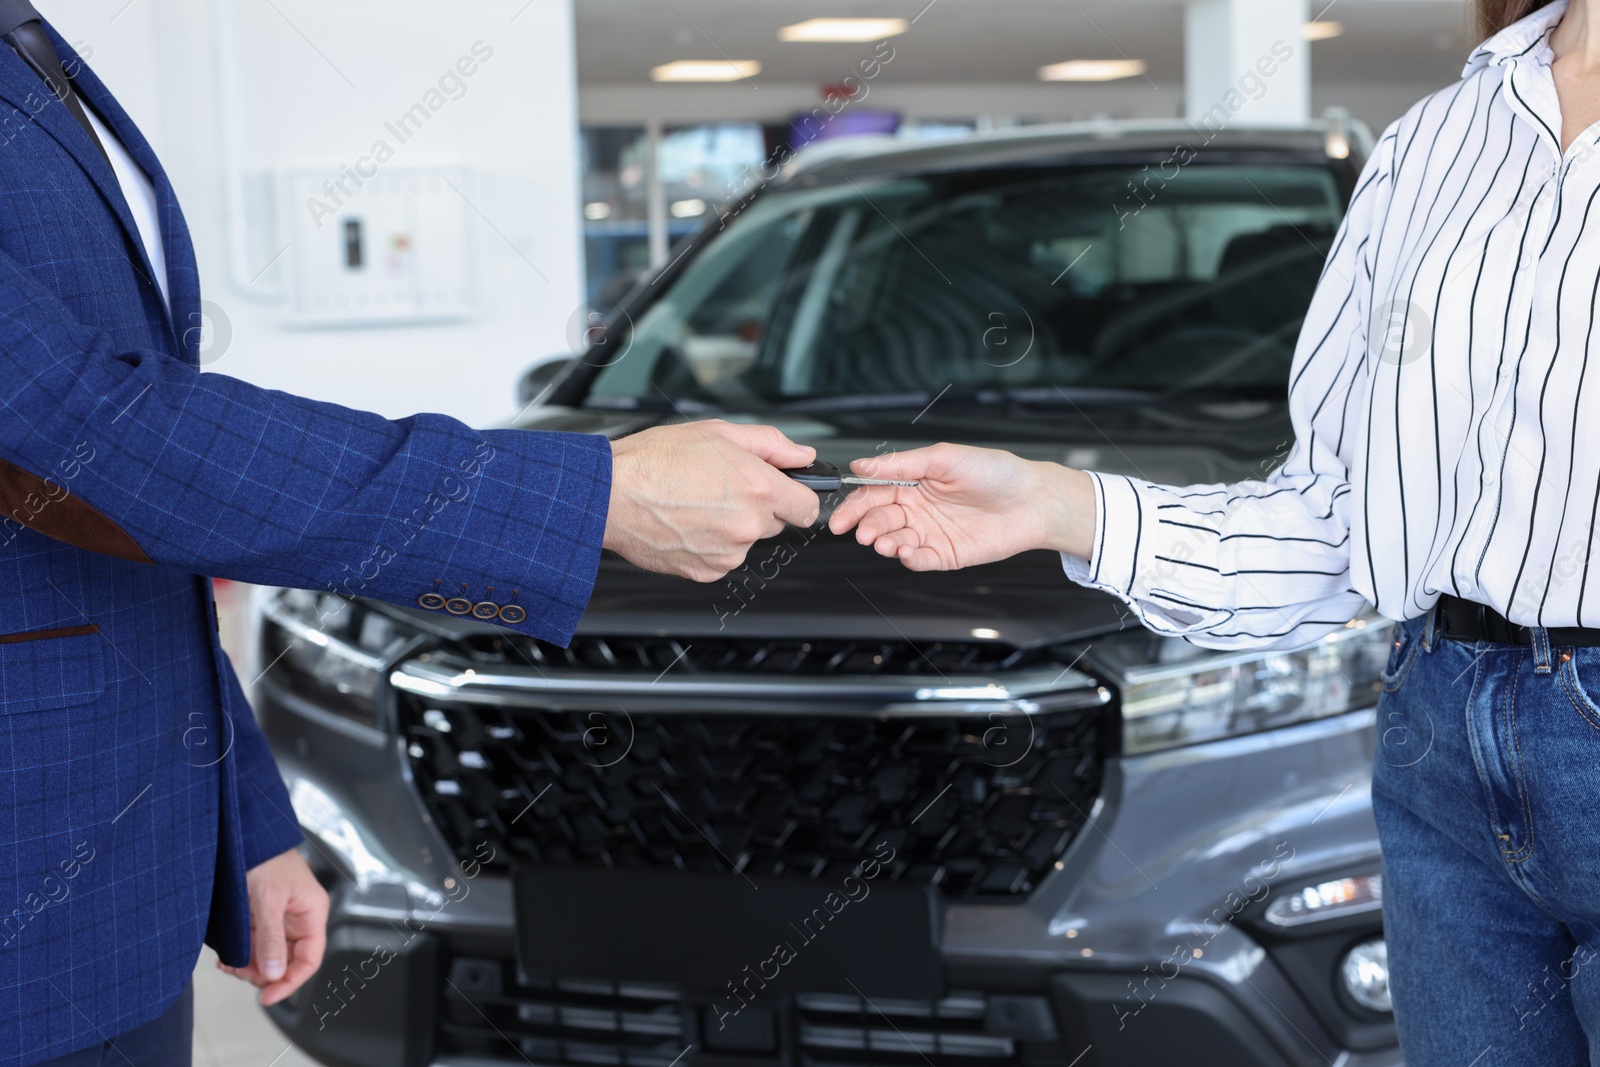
pixel 810 583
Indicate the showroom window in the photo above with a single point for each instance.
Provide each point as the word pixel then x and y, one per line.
pixel 645 187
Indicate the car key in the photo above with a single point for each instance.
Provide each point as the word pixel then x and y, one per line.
pixel 825 478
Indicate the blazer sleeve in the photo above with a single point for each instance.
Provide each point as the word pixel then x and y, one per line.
pixel 268 824
pixel 139 455
pixel 1261 563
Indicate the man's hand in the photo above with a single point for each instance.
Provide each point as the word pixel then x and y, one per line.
pixel 691 499
pixel 970 506
pixel 288 926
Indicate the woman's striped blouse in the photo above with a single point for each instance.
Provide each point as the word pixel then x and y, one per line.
pixel 1443 395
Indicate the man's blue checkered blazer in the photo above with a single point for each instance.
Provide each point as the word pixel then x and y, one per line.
pixel 135 788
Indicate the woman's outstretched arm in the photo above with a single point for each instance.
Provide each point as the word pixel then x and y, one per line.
pixel 1260 563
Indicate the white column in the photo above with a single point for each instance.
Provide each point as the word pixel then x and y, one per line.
pixel 655 193
pixel 1245 63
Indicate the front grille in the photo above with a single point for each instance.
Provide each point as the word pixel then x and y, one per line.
pixel 852 1028
pixel 487 1010
pixel 550 1020
pixel 753 656
pixel 974 804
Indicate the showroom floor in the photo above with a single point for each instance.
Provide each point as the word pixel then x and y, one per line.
pixel 230 1029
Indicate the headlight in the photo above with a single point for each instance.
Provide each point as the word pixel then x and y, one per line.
pixel 330 650
pixel 1337 899
pixel 1174 693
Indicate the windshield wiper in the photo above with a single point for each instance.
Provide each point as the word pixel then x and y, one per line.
pixel 1031 396
pixel 858 402
pixel 1081 395
pixel 1041 396
pixel 682 405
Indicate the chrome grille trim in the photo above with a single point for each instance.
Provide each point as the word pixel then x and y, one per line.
pixel 450 677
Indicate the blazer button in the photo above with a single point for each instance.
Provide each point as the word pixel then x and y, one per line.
pixel 513 614
pixel 430 601
pixel 485 609
pixel 458 605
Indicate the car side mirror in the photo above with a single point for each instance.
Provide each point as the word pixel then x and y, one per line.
pixel 537 381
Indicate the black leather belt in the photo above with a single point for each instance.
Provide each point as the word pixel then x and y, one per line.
pixel 1463 620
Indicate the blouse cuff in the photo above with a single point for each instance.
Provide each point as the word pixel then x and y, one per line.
pixel 1145 563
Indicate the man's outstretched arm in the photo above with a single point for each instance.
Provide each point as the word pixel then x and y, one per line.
pixel 138 455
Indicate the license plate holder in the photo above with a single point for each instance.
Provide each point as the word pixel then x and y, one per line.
pixel 709 933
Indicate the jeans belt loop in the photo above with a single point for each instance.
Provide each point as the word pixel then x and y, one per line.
pixel 1430 627
pixel 1541 649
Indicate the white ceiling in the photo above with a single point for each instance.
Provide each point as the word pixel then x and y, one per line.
pixel 995 41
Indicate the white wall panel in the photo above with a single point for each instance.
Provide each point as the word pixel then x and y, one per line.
pixel 231 97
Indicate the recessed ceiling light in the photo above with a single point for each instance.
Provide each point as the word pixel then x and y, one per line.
pixel 1321 30
pixel 1092 70
pixel 706 70
pixel 843 30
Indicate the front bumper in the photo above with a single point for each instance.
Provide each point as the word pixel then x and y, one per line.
pixel 421 966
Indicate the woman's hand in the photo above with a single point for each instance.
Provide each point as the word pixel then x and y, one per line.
pixel 970 506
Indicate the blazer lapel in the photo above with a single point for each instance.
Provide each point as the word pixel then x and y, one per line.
pixel 183 275
pixel 35 104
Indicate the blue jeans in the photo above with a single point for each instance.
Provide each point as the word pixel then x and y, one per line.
pixel 1486 790
pixel 165 1041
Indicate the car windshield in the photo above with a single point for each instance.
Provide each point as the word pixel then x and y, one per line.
pixel 1024 283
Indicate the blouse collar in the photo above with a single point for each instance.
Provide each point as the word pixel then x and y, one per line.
pixel 1527 36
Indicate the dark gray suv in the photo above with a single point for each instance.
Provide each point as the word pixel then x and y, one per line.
pixel 830 812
